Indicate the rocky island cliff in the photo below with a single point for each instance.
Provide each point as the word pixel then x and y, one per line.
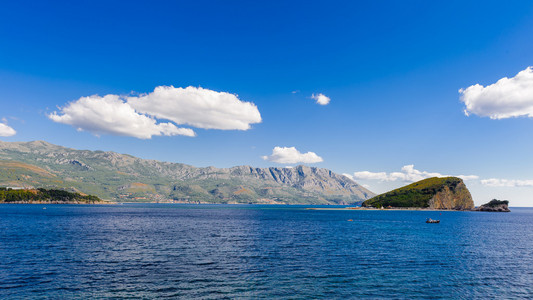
pixel 432 193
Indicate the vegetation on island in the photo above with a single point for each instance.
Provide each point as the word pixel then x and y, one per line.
pixel 495 206
pixel 8 195
pixel 496 202
pixel 419 194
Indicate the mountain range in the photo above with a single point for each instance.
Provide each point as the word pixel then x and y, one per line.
pixel 125 178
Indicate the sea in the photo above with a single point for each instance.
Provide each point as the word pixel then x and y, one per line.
pixel 181 251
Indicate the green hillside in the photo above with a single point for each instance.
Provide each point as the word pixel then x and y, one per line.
pixel 41 195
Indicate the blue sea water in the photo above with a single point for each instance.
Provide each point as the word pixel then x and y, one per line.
pixel 252 251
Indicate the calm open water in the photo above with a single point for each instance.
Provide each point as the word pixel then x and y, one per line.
pixel 249 251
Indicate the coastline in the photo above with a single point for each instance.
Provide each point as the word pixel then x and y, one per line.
pixel 386 209
pixel 56 202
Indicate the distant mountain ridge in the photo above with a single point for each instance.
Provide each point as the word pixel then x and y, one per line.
pixel 122 177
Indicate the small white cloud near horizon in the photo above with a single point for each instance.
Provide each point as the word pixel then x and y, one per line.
pixel 321 99
pixel 111 115
pixel 290 155
pixel 349 176
pixel 496 182
pixel 6 130
pixel 407 174
pixel 137 116
pixel 366 186
pixel 507 98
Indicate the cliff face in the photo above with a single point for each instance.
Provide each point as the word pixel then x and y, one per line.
pixel 452 197
pixel 431 193
pixel 122 177
pixel 306 178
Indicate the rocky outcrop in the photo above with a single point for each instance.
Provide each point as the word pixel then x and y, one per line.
pixel 431 193
pixel 495 206
pixel 454 196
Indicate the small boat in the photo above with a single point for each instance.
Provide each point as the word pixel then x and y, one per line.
pixel 429 220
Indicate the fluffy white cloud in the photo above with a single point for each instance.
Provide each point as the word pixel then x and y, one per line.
pixel 6 130
pixel 508 97
pixel 198 107
pixel 321 99
pixel 367 175
pixel 494 182
pixel 408 173
pixel 289 155
pixel 111 115
pixel 138 116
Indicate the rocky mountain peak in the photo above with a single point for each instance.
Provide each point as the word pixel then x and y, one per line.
pixel 116 176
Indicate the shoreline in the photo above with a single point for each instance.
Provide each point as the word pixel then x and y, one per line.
pixel 55 202
pixel 236 204
pixel 386 209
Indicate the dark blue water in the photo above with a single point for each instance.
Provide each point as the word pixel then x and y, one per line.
pixel 215 251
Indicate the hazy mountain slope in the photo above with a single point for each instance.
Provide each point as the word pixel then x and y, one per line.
pixel 123 177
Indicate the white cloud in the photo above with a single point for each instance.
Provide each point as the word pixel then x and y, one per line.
pixel 6 130
pixel 367 175
pixel 111 115
pixel 508 97
pixel 468 177
pixel 138 116
pixel 289 155
pixel 408 173
pixel 321 99
pixel 349 176
pixel 198 107
pixel 494 182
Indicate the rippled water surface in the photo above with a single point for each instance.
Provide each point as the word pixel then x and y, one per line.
pixel 217 251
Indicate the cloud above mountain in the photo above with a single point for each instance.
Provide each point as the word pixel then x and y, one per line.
pixel 138 116
pixel 197 107
pixel 408 173
pixel 290 155
pixel 111 115
pixel 6 130
pixel 321 99
pixel 507 98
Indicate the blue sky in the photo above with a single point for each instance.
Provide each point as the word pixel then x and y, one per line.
pixel 391 69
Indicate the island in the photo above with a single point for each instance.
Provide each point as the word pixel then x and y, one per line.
pixel 438 193
pixel 495 206
pixel 46 196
